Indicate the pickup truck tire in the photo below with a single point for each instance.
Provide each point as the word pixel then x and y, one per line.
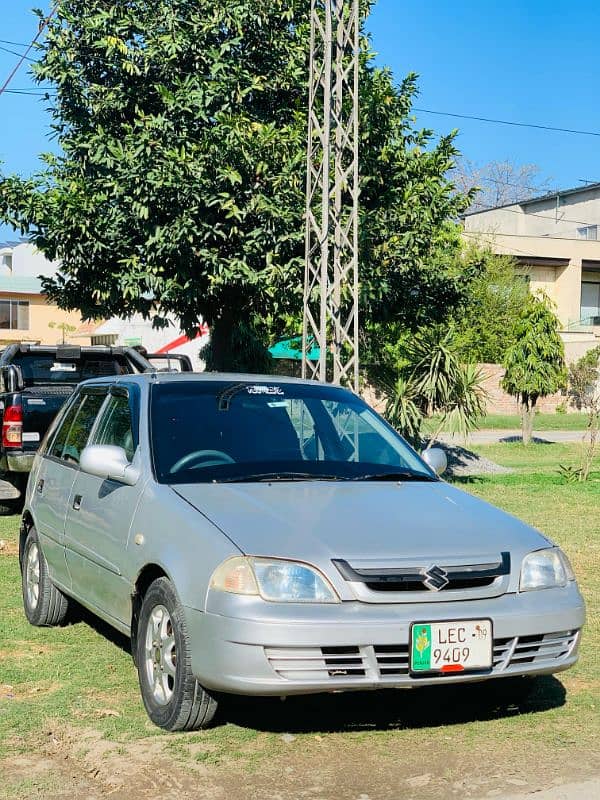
pixel 44 604
pixel 173 698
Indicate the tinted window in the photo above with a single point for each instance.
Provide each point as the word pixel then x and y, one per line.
pixel 61 435
pixel 115 426
pixel 46 369
pixel 204 432
pixel 76 428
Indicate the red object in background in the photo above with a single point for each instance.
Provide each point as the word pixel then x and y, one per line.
pixel 12 426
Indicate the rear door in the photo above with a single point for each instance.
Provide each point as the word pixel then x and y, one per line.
pixel 56 475
pixel 100 514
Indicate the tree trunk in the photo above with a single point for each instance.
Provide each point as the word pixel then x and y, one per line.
pixel 527 418
pixel 235 346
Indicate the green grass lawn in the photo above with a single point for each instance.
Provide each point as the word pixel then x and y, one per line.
pixel 80 678
pixel 543 422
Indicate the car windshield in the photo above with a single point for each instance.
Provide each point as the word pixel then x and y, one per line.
pixel 243 432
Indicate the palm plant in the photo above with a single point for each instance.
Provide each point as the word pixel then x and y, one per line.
pixel 428 378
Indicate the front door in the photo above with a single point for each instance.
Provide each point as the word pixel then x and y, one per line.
pixel 99 517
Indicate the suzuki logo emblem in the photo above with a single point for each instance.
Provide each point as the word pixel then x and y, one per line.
pixel 435 578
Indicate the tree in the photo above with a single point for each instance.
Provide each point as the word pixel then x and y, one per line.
pixel 499 183
pixel 179 188
pixel 584 391
pixel 535 362
pixel 64 328
pixel 485 321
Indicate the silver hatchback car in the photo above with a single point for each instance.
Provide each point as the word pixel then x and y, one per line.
pixel 269 536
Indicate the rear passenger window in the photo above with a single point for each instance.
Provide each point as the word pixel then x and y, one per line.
pixel 76 428
pixel 116 426
pixel 63 431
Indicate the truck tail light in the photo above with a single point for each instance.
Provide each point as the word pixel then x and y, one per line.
pixel 12 427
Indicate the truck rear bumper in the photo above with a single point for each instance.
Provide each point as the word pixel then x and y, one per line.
pixel 19 462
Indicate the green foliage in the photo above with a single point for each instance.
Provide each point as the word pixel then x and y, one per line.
pixel 180 184
pixel 428 378
pixel 485 322
pixel 584 375
pixel 569 473
pixel 584 390
pixel 535 363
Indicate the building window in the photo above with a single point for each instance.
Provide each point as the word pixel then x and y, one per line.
pixel 590 303
pixel 590 232
pixel 14 315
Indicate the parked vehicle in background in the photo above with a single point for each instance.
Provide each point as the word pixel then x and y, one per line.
pixel 271 536
pixel 35 381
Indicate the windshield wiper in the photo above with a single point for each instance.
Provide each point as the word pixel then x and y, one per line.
pixel 399 475
pixel 272 477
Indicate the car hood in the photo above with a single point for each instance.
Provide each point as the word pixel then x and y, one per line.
pixel 318 521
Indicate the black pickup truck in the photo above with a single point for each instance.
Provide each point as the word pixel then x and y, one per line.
pixel 35 380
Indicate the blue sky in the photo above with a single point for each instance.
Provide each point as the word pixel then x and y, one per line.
pixel 534 61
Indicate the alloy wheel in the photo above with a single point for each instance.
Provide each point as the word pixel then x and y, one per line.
pixel 161 655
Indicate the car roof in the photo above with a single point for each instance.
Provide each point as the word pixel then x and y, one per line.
pixel 158 377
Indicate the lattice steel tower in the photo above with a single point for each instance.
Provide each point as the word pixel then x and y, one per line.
pixel 332 194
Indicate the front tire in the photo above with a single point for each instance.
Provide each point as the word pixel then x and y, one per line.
pixel 44 604
pixel 173 698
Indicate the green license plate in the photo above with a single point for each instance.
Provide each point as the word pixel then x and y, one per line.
pixel 446 647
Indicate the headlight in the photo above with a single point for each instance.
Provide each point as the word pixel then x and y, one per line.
pixel 545 569
pixel 274 580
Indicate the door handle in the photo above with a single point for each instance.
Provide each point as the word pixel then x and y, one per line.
pixel 77 502
pixel 40 486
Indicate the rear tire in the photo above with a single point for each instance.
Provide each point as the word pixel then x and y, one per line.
pixel 173 698
pixel 44 604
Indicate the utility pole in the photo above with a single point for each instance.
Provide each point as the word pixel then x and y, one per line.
pixel 332 193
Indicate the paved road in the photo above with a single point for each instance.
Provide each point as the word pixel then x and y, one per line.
pixel 587 790
pixel 495 436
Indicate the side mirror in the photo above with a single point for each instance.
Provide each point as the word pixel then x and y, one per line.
pixel 11 378
pixel 436 459
pixel 108 462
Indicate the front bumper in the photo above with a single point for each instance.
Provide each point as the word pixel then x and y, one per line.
pixel 247 646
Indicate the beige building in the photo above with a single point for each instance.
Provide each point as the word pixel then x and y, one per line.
pixel 556 241
pixel 26 315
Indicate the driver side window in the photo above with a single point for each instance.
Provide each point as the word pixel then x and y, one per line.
pixel 116 426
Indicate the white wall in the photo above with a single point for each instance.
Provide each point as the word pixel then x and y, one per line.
pixel 543 218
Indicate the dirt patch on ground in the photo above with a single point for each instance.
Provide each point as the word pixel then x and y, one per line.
pixel 9 548
pixel 9 692
pixel 80 764
pixel 25 650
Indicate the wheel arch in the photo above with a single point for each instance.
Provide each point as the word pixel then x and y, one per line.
pixel 27 523
pixel 146 577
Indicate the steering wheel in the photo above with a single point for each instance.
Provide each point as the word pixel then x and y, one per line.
pixel 201 458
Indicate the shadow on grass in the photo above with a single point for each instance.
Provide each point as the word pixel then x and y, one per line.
pixel 395 709
pixel 519 440
pixel 79 615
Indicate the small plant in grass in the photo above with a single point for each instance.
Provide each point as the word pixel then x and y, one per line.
pixel 569 473
pixel 584 391
pixel 535 362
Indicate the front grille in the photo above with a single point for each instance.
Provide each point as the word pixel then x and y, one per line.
pixel 317 663
pixel 427 577
pixel 386 661
pixel 554 646
pixel 419 586
pixel 392 659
